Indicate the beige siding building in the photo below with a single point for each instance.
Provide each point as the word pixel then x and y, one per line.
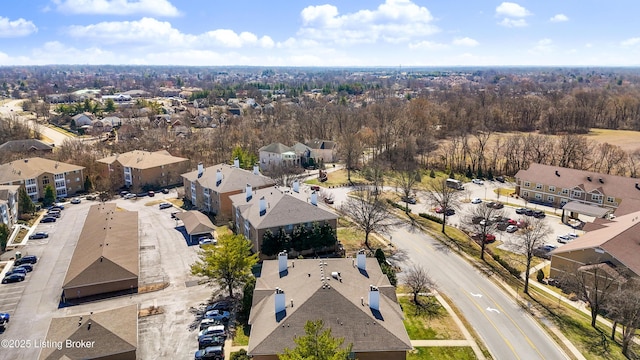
pixel 352 297
pixel 106 258
pixel 137 169
pixel 9 204
pixel 35 174
pixel 257 211
pixel 556 186
pixel 209 188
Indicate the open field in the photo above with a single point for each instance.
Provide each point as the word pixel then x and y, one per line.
pixel 435 324
pixel 628 140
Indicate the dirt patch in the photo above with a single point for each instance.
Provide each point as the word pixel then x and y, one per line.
pixel 152 287
pixel 151 310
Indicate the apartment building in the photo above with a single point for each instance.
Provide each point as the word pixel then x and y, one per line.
pixel 9 204
pixel 137 169
pixel 35 174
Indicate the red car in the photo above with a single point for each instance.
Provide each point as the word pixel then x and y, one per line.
pixel 439 210
pixel 489 238
pixel 512 222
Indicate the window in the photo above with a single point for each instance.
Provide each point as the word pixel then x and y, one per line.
pixel 563 201
pixel 77 179
pixel 538 196
pixel 539 186
pixel 611 199
pixel 45 180
pixel 31 181
pixel 289 227
pixel 550 199
pixel 525 194
pixel 527 184
pixel 59 176
pixel 596 197
pixel 552 189
pixel 576 193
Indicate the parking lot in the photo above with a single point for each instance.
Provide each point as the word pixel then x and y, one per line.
pixel 165 257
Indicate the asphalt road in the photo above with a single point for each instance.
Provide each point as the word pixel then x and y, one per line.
pixel 12 108
pixel 507 330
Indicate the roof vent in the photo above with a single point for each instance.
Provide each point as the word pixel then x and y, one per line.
pixel 589 178
pixel 637 186
pixel 557 173
pixel 601 181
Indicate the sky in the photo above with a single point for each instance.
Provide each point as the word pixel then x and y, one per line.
pixel 348 33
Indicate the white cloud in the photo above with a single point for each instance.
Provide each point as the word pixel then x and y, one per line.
pixel 395 21
pixel 149 31
pixel 543 46
pixel 506 22
pixel 631 42
pixel 465 41
pixel 117 7
pixel 510 9
pixel 559 18
pixel 430 45
pixel 16 28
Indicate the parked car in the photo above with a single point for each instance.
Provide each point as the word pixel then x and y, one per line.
pixel 329 200
pixel 217 330
pixel 477 181
pixel 173 214
pixel 211 352
pixel 511 229
pixel 477 219
pixel 500 178
pixel 220 305
pixel 54 214
pixel 210 340
pixel 151 194
pixel 539 214
pixel 206 241
pixel 522 224
pixel 57 206
pixel 476 201
pixel 48 219
pixel 206 323
pixel 129 196
pixel 4 321
pixel 548 247
pixel 38 235
pixel 315 187
pixel 498 205
pixel 439 209
pixel 512 222
pixel 217 315
pixel 90 197
pixel 521 211
pixel 165 191
pixel 410 200
pixel 27 267
pixel 450 212
pixel 563 239
pixel 502 226
pixel 13 278
pixel 529 212
pixel 29 259
pixel 165 205
pixel 17 270
pixel 573 235
pixel 75 200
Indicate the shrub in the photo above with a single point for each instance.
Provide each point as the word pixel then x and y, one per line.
pixel 398 206
pixel 431 217
pixel 540 275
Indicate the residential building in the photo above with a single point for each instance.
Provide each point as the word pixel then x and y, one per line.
pixel 275 208
pixel 351 296
pixel 589 193
pixel 109 334
pixel 322 151
pixel 9 204
pixel 277 154
pixel 106 258
pixel 84 119
pixel 26 145
pixel 138 169
pixel 209 188
pixel 196 223
pixel 613 244
pixel 36 173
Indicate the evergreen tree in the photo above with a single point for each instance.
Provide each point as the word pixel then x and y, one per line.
pixel 317 344
pixel 25 204
pixel 49 196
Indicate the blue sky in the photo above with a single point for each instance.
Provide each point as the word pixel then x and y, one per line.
pixel 321 33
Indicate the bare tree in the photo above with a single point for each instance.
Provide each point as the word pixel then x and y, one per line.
pixel 285 175
pixel 368 212
pixel 418 281
pixel 439 194
pixel 530 238
pixel 483 220
pixel 625 309
pixel 406 181
pixel 595 283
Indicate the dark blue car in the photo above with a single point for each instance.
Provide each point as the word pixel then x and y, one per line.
pixel 13 278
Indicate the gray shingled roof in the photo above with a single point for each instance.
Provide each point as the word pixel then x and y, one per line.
pixel 233 179
pixel 25 145
pixel 196 222
pixel 282 209
pixel 340 306
pixel 276 148
pixel 30 168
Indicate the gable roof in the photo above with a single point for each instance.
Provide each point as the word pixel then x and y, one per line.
pixel 107 249
pixel 282 208
pixel 339 305
pixel 276 148
pixel 139 159
pixel 321 144
pixel 25 145
pixel 619 238
pixel 196 222
pixel 30 168
pixel 233 179
pixel 112 332
pixel 611 185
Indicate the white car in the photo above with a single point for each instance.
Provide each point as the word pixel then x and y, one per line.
pixel 217 315
pixel 75 200
pixel 511 229
pixel 477 182
pixel 563 239
pixel 216 330
pixel 207 241
pixel 476 201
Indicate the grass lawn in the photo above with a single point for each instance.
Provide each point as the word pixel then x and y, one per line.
pixel 177 202
pixel 153 202
pixel 436 324
pixel 241 336
pixel 338 178
pixel 626 139
pixel 517 261
pixel 352 239
pixel 442 353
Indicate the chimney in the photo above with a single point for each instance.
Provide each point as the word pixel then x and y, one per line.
pixel 280 300
pixel 249 193
pixel 296 186
pixel 314 198
pixel 374 298
pixel 282 261
pixel 218 177
pixel 557 173
pixel 256 169
pixel 236 163
pixel 200 169
pixel 263 206
pixel 362 260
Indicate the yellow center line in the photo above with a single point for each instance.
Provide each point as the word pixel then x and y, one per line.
pixel 492 323
pixel 515 323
